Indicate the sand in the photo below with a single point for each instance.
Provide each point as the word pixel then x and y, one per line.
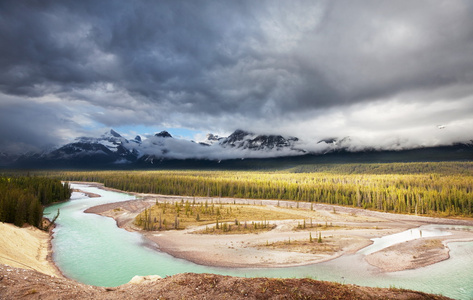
pixel 409 255
pixel 27 248
pixel 246 250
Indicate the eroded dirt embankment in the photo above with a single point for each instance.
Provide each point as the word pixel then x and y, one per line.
pixel 27 247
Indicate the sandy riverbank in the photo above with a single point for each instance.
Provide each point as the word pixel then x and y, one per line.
pixel 353 229
pixel 27 248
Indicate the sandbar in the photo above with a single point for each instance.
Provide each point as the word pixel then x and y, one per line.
pixel 354 230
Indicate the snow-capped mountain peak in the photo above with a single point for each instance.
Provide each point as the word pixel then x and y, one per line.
pixel 211 139
pixel 114 133
pixel 163 134
pixel 246 140
pixel 113 148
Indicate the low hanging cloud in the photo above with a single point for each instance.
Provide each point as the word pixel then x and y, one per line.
pixel 183 149
pixel 385 73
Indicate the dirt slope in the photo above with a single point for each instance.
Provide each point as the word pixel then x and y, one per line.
pixel 27 284
pixel 26 248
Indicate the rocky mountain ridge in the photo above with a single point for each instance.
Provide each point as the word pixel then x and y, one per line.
pixel 113 150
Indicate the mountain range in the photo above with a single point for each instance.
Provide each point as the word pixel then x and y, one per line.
pixel 112 150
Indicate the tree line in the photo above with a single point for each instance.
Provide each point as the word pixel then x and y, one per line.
pixel 22 198
pixel 444 168
pixel 436 189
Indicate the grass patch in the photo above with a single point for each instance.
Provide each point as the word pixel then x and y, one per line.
pixel 432 244
pixel 184 214
pixel 229 228
pixel 313 245
pixel 310 223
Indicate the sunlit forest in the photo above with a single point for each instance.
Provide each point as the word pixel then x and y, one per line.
pixel 22 198
pixel 443 189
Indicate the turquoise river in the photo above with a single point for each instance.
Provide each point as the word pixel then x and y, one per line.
pixel 92 249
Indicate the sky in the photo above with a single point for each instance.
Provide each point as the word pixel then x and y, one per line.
pixel 386 74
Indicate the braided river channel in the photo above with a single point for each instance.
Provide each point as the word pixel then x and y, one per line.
pixel 92 249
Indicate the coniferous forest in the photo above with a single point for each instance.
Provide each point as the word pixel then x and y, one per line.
pixel 443 189
pixel 22 198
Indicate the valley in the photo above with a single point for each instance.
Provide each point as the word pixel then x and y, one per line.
pixel 308 220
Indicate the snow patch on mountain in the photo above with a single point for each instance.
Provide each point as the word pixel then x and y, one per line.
pixel 238 145
pixel 112 148
pixel 247 140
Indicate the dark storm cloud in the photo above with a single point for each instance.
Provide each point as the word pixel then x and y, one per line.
pixel 32 126
pixel 161 51
pixel 212 65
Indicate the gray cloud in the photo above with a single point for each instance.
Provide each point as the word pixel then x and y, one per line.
pixel 272 66
pixel 33 126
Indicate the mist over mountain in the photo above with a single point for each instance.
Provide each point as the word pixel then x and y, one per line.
pixel 114 150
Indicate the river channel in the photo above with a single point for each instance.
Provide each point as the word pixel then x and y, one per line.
pixel 92 249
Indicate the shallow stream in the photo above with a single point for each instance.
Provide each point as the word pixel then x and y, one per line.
pixel 93 250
